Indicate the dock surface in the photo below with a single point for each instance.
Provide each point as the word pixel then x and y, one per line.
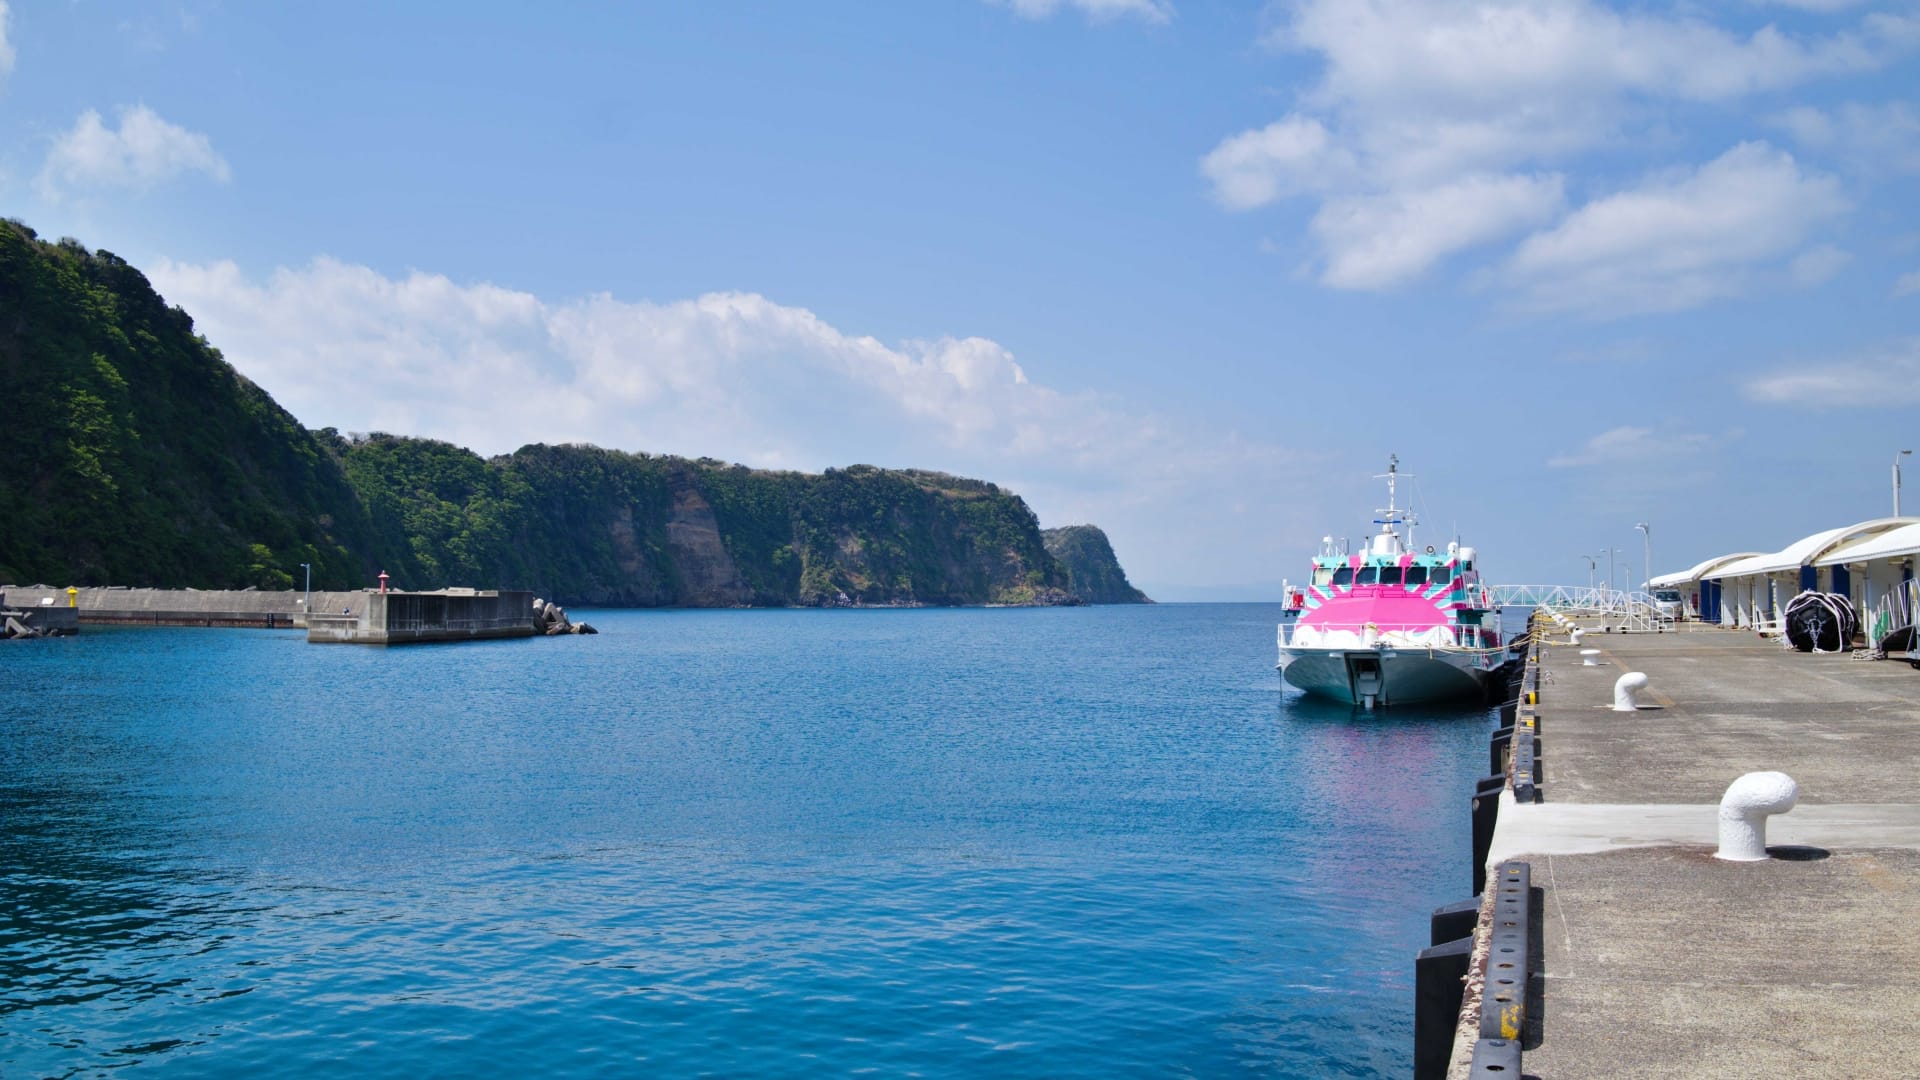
pixel 1657 959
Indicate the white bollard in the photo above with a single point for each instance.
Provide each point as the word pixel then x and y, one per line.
pixel 1578 634
pixel 1587 657
pixel 1744 810
pixel 1624 689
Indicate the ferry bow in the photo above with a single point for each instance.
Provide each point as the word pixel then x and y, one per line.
pixel 1392 624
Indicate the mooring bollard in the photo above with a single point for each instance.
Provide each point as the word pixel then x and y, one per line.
pixel 1744 810
pixel 1587 657
pixel 1577 634
pixel 1624 690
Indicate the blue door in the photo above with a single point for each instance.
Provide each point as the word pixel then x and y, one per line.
pixel 1842 581
pixel 1809 579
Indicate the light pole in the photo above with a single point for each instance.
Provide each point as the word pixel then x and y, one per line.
pixel 307 612
pixel 1592 561
pixel 1648 531
pixel 1896 480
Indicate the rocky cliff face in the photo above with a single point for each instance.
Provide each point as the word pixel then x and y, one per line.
pixel 1093 573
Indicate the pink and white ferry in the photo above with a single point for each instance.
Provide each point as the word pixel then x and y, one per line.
pixel 1393 624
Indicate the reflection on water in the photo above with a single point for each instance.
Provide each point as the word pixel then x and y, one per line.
pixel 779 843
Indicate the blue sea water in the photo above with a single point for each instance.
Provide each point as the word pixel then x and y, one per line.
pixel 1093 842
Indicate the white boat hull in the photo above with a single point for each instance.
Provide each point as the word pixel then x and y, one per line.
pixel 1388 675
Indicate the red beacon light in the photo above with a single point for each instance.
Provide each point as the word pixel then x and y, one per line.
pixel 383 581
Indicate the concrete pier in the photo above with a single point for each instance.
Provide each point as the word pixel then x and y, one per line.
pixel 395 618
pixel 1652 958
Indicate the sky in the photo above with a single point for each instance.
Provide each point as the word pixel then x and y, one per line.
pixel 1186 269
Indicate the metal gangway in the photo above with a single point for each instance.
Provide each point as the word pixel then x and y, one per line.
pixel 1617 609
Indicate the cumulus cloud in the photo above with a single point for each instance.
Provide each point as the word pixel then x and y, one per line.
pixel 1678 240
pixel 1157 11
pixel 1423 96
pixel 6 45
pixel 1885 376
pixel 1376 241
pixel 1629 444
pixel 145 150
pixel 1879 138
pixel 1818 265
pixel 732 375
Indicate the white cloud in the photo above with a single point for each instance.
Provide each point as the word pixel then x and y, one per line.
pixel 1628 444
pixel 1493 53
pixel 1871 138
pixel 1826 6
pixel 6 46
pixel 144 151
pixel 1157 11
pixel 1419 96
pixel 1907 284
pixel 1818 265
pixel 1382 240
pixel 1677 241
pixel 1287 157
pixel 732 375
pixel 1886 376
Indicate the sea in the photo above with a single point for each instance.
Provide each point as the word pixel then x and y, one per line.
pixel 1059 842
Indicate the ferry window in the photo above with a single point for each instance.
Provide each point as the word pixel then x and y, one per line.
pixel 1389 575
pixel 1416 575
pixel 1322 575
pixel 1369 575
pixel 1343 576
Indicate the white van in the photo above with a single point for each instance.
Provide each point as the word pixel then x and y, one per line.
pixel 1670 604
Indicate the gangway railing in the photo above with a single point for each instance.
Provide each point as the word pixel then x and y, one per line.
pixel 1617 608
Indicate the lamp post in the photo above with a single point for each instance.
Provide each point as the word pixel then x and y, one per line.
pixel 1592 561
pixel 1896 480
pixel 307 612
pixel 1648 531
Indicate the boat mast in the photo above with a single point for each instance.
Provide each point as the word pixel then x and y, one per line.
pixel 1391 516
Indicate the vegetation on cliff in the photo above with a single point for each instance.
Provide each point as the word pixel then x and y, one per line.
pixel 136 455
pixel 1093 573
pixel 133 454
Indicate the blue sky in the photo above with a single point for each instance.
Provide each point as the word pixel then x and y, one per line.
pixel 1186 270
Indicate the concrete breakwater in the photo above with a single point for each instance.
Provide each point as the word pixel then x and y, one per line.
pixel 1629 948
pixel 187 607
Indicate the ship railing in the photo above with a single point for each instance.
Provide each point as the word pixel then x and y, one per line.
pixel 1414 635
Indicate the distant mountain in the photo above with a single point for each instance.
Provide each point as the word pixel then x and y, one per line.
pixel 132 453
pixel 1093 573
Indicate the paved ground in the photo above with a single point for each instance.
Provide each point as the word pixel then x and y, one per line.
pixel 1662 961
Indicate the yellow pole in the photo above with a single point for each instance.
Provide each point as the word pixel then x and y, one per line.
pixel 73 596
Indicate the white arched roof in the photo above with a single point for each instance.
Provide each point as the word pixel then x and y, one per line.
pixel 1807 549
pixel 1892 544
pixel 1688 577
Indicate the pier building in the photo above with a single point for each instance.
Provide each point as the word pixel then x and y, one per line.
pixel 1864 562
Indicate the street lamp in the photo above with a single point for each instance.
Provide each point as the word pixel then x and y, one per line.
pixel 1896 480
pixel 1648 530
pixel 1592 561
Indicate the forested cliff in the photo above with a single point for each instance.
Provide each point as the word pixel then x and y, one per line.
pixel 134 454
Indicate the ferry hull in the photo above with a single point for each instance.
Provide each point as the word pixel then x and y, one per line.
pixel 1388 676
